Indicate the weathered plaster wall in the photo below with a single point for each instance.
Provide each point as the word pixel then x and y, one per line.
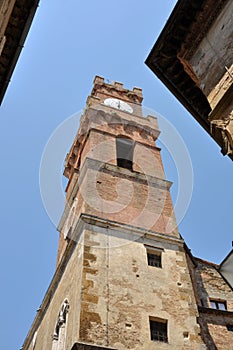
pixel 121 292
pixel 70 288
pixel 215 51
pixel 112 292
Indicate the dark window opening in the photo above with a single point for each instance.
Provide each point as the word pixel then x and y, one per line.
pixel 202 302
pixel 230 327
pixel 124 149
pixel 154 259
pixel 158 331
pixel 218 305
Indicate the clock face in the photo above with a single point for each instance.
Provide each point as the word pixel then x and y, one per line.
pixel 118 104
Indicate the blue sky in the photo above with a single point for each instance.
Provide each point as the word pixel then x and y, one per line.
pixel 68 44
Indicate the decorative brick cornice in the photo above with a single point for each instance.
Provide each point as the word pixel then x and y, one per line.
pixel 110 89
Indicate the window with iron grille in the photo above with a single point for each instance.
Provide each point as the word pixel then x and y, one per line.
pixel 158 330
pixel 218 305
pixel 154 259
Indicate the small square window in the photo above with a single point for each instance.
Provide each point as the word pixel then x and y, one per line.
pixel 230 327
pixel 218 305
pixel 158 330
pixel 154 259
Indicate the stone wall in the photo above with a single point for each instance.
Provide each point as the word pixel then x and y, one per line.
pixel 112 292
pixel 209 284
pixel 214 52
pixel 121 292
pixel 214 329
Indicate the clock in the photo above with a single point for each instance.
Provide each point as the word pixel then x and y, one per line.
pixel 118 104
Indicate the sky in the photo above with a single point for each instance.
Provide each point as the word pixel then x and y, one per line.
pixel 68 44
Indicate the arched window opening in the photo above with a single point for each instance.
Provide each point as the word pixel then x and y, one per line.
pixel 59 334
pixel 124 148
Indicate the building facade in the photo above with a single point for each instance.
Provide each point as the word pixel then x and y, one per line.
pixel 193 58
pixel 15 20
pixel 125 278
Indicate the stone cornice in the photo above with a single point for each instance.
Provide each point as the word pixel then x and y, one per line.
pixel 134 176
pixel 138 233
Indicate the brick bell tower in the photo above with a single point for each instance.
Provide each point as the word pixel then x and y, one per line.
pixel 122 280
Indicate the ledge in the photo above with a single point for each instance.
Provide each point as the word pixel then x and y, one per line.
pixel 16 32
pixel 207 310
pixel 151 181
pixel 86 346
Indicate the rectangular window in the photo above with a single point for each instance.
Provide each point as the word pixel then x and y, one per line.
pixel 158 330
pixel 218 305
pixel 154 255
pixel 124 150
pixel 154 259
pixel 230 327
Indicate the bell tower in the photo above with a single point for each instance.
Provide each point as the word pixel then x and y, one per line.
pixel 122 280
pixel 114 168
